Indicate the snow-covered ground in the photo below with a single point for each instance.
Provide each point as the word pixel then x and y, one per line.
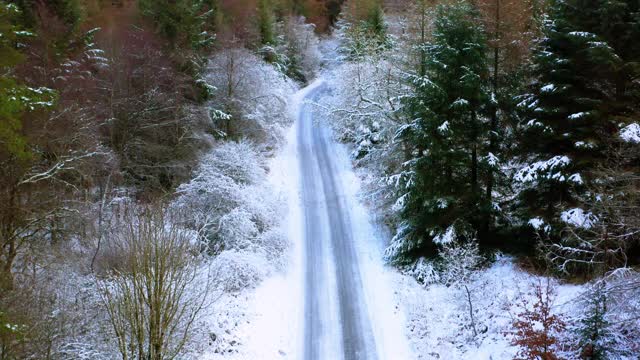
pixel 438 318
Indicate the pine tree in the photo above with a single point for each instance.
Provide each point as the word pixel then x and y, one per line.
pixel 266 23
pixel 187 24
pixel 510 26
pixel 440 197
pixel 365 29
pixel 596 339
pixel 584 89
pixel 15 98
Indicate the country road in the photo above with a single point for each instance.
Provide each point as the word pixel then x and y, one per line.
pixel 336 324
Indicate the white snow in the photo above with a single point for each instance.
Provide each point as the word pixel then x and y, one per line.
pixel 577 116
pixel 631 133
pixel 548 88
pixel 438 314
pixel 548 169
pixel 536 223
pixel 444 127
pixel 446 237
pixel 576 179
pixel 583 34
pixel 492 160
pixel 579 218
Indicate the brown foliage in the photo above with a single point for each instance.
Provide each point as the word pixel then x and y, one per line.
pixel 512 27
pixel 536 327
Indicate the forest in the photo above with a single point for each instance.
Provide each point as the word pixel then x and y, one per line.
pixel 146 204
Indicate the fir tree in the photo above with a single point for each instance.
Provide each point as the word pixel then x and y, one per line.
pixel 187 24
pixel 266 23
pixel 15 98
pixel 366 29
pixel 440 188
pixel 584 89
pixel 597 340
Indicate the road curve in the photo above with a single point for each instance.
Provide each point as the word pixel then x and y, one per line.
pixel 336 324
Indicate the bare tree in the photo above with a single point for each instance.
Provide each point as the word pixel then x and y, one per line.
pixel 460 262
pixel 156 291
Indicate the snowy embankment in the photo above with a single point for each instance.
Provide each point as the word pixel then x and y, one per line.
pixel 261 322
pixel 265 322
pixel 438 320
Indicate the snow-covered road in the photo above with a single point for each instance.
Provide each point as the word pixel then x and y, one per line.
pixel 348 310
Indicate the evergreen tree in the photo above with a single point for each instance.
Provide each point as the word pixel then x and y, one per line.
pixel 266 23
pixel 365 29
pixel 15 98
pixel 440 188
pixel 585 87
pixel 596 339
pixel 188 24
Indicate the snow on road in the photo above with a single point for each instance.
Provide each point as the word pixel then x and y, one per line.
pixel 334 300
pixel 349 312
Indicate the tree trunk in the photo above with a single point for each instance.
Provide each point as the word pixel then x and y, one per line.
pixel 494 116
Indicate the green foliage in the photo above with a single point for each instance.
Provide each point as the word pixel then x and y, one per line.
pixel 266 23
pixel 439 192
pixel 69 11
pixel 584 89
pixel 187 24
pixel 596 339
pixel 15 99
pixel 368 35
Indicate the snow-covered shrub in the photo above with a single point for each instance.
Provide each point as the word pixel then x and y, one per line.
pixel 459 261
pixel 238 270
pixel 425 272
pixel 236 213
pixel 596 341
pixel 57 314
pixel 237 230
pixel 218 187
pixel 604 317
pixel 274 243
pixel 254 94
pixel 264 203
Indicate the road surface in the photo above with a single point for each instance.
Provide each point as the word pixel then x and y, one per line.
pixel 336 321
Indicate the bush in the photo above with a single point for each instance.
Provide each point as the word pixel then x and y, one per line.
pixel 536 328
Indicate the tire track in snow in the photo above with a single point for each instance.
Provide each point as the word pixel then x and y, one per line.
pixel 324 204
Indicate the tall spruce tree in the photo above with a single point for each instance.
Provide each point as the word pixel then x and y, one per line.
pixel 187 24
pixel 586 86
pixel 16 99
pixel 365 29
pixel 440 195
pixel 266 23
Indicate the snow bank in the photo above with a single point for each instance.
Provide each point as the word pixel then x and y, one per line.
pixel 261 318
